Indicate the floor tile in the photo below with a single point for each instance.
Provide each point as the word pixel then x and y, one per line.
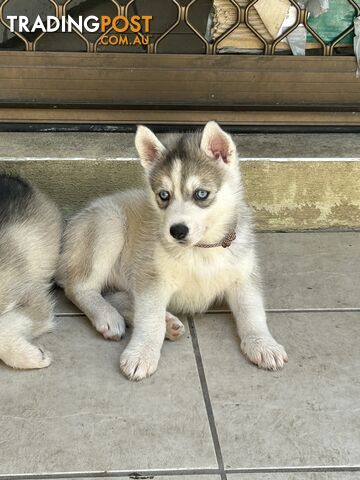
pixel 305 415
pixel 301 270
pixel 296 476
pixel 310 270
pixel 80 414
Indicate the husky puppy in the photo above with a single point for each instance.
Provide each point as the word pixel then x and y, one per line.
pixel 163 247
pixel 30 233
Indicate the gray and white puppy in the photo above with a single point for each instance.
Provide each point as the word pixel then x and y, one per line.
pixel 30 234
pixel 162 247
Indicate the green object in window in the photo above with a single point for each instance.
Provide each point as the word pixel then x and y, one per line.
pixel 334 22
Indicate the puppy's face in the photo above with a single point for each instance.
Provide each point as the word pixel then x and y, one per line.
pixel 190 180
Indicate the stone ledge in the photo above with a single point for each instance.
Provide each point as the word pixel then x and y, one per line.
pixel 293 182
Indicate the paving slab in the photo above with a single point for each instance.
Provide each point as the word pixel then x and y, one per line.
pixel 300 271
pixel 305 415
pixel 81 414
pixel 310 270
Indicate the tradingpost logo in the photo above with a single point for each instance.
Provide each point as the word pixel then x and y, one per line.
pixel 119 30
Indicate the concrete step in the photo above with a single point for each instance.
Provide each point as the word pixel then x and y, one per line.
pixel 293 181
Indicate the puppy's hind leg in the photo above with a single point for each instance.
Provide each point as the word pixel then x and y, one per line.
pixel 124 304
pixel 15 348
pixel 174 327
pixel 40 309
pixel 87 267
pixel 105 318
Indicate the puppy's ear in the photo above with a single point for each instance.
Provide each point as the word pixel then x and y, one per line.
pixel 148 146
pixel 218 144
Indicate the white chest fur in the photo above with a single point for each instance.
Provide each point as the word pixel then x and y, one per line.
pixel 198 277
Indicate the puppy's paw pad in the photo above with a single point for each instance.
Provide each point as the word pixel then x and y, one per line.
pixel 137 365
pixel 112 329
pixel 265 352
pixel 174 328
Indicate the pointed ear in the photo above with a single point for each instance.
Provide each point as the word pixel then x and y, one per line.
pixel 218 144
pixel 148 146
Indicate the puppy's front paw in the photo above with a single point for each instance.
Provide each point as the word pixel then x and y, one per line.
pixel 111 328
pixel 174 328
pixel 264 351
pixel 137 364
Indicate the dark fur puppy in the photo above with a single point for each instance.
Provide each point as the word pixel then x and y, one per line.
pixel 30 232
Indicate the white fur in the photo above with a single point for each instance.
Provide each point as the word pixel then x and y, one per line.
pixel 29 252
pixel 15 348
pixel 139 256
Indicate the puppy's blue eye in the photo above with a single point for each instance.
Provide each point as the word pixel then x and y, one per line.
pixel 201 194
pixel 164 195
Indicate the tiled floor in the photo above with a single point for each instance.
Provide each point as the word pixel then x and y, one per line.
pixel 207 413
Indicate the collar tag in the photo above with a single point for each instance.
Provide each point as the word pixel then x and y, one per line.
pixel 227 241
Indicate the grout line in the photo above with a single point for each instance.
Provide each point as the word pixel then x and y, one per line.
pixel 297 159
pixel 206 396
pixel 269 310
pixel 310 231
pixel 150 474
pixel 296 310
pixel 132 474
pixel 314 310
pixel 67 159
pixel 289 159
pixel 305 469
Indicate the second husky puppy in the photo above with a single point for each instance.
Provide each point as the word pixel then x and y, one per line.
pixel 30 233
pixel 163 247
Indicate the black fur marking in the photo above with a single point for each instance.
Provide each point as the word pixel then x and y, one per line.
pixel 15 195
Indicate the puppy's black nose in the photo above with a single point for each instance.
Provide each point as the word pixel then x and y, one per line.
pixel 179 231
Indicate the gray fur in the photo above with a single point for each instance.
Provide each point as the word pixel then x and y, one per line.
pixel 30 232
pixel 123 243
